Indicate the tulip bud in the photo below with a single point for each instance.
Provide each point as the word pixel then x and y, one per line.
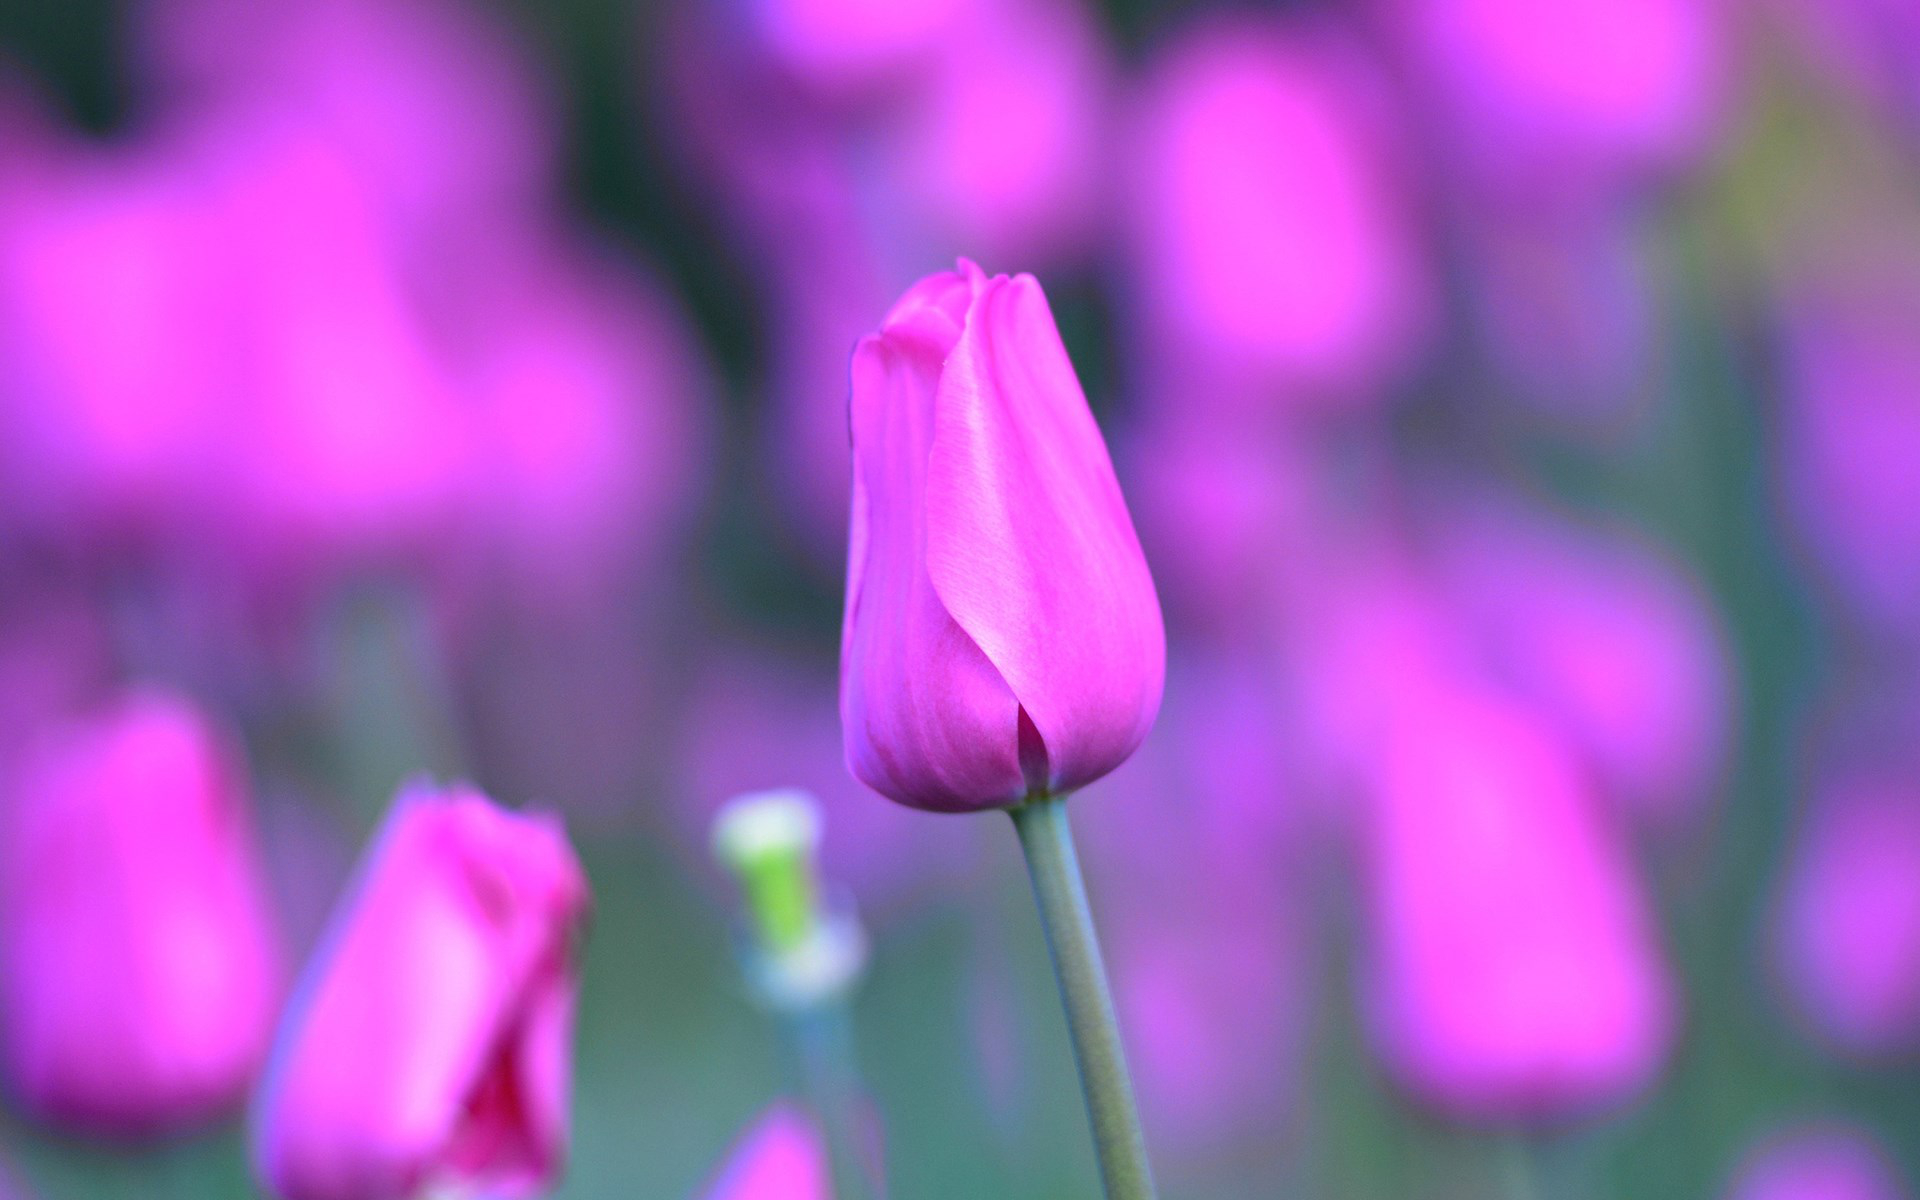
pixel 1515 970
pixel 1002 635
pixel 781 1158
pixel 139 971
pixel 430 1042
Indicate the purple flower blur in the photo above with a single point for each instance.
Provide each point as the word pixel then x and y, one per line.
pixel 1849 923
pixel 139 965
pixel 1817 1162
pixel 1269 237
pixel 430 1042
pixel 780 1158
pixel 1514 969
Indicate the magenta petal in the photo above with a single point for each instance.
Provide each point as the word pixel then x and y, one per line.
pixel 429 1043
pixel 780 1158
pixel 1029 543
pixel 928 720
pixel 1515 968
pixel 139 966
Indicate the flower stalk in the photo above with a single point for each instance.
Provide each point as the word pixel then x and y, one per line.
pixel 1046 838
pixel 804 959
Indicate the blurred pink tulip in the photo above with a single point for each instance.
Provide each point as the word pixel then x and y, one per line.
pixel 1614 644
pixel 1208 887
pixel 429 1043
pixel 428 103
pixel 1002 149
pixel 1514 968
pixel 349 437
pixel 110 387
pixel 1002 634
pixel 1852 429
pixel 1849 924
pixel 1269 236
pixel 1820 1162
pixel 585 390
pixel 780 1158
pixel 139 965
pixel 1544 94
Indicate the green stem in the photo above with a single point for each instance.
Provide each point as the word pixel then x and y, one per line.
pixel 823 1037
pixel 1047 840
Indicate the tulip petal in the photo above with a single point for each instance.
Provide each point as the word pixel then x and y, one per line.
pixel 1029 545
pixel 929 721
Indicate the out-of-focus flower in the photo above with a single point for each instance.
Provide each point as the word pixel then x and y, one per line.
pixel 1002 634
pixel 348 437
pixel 1817 1162
pixel 1232 513
pixel 1211 1003
pixel 110 387
pixel 1614 644
pixel 1269 238
pixel 780 1158
pixel 139 967
pixel 584 387
pixel 1849 923
pixel 1543 95
pixel 429 1043
pixel 1211 889
pixel 1514 971
pixel 428 103
pixel 1001 152
pixel 1851 432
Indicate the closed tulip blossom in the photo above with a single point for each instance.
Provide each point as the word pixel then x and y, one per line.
pixel 1002 643
pixel 429 1045
pixel 139 965
pixel 1002 635
pixel 1514 969
pixel 780 1158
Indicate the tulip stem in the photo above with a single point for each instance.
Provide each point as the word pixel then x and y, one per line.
pixel 1061 892
pixel 824 1037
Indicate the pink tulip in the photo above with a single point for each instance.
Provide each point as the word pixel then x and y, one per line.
pixel 1515 971
pixel 1817 1163
pixel 109 383
pixel 139 966
pixel 1851 428
pixel 1270 238
pixel 429 103
pixel 1849 931
pixel 1553 90
pixel 429 1043
pixel 1002 635
pixel 780 1158
pixel 1002 147
pixel 1608 639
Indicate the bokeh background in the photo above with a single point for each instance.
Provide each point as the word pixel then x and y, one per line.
pixel 1519 402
